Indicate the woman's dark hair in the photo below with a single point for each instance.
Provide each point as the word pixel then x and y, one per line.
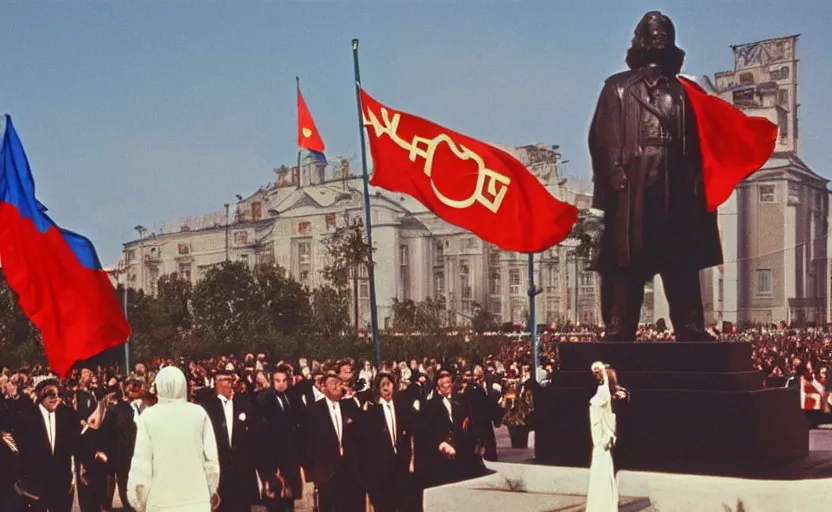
pixel 639 54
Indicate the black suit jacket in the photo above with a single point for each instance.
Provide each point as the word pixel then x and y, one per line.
pixel 282 428
pixel 240 459
pixel 43 473
pixel 322 446
pixel 382 461
pixel 460 433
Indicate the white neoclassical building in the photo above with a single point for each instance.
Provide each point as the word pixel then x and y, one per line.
pixel 417 256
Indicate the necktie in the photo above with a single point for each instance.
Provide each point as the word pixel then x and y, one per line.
pixel 51 419
pixel 393 431
pixel 337 428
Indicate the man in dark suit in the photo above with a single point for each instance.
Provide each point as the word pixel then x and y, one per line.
pixel 333 445
pixel 47 438
pixel 282 422
pixel 125 414
pixel 240 441
pixel 487 411
pixel 449 437
pixel 388 451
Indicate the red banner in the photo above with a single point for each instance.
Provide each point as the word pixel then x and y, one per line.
pixel 733 145
pixel 308 135
pixel 466 182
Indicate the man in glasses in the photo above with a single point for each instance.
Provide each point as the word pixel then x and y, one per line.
pixel 48 437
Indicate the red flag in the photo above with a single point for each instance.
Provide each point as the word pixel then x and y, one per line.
pixel 733 145
pixel 464 181
pixel 308 135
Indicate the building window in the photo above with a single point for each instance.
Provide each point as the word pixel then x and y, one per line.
pixel 494 282
pixel 552 277
pixel 304 277
pixel 330 220
pixel 464 280
pixel 817 200
pixel 766 193
pixel 304 253
pixel 439 254
pixel 514 281
pixel 131 255
pixel 304 227
pixel 783 97
pixel 183 249
pixel 185 271
pixel 744 98
pixel 794 191
pixel 764 282
pixel 404 271
pixel 494 257
pixel 439 284
pixel 469 243
pixel 586 279
pixel 256 210
pixel 746 78
pixel 240 237
pixel 782 124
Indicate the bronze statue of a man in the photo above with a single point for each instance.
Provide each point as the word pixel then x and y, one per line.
pixel 647 174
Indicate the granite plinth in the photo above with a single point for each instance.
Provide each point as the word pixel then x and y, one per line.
pixel 696 408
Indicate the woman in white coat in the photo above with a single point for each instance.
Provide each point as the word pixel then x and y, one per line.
pixel 175 466
pixel 602 495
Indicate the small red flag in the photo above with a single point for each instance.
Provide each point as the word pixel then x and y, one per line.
pixel 308 135
pixel 733 145
pixel 466 182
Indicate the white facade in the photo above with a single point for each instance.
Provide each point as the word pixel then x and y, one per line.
pixel 418 255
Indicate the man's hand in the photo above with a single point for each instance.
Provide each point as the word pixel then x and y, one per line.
pixel 447 450
pixel 101 456
pixel 215 501
pixel 618 180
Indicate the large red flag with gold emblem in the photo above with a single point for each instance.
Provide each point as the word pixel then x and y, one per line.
pixel 733 145
pixel 308 135
pixel 466 182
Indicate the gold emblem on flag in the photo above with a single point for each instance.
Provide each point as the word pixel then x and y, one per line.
pixel 307 132
pixel 491 186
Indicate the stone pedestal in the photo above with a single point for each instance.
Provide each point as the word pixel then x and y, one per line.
pixel 694 408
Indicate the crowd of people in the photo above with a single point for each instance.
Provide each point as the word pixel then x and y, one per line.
pixel 357 432
pixel 244 431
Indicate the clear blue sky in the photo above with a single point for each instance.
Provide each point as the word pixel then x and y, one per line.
pixel 140 112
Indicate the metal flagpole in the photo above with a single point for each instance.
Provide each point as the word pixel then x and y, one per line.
pixel 367 221
pixel 124 303
pixel 533 290
pixel 297 80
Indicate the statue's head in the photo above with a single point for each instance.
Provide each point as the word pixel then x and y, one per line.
pixel 654 42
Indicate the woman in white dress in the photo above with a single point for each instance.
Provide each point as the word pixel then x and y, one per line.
pixel 175 466
pixel 602 494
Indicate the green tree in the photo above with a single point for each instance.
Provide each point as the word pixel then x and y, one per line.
pixel 224 306
pixel 329 312
pixel 347 254
pixel 405 315
pixel 483 320
pixel 587 232
pixel 283 303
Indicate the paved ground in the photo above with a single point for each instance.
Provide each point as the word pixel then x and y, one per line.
pixel 820 440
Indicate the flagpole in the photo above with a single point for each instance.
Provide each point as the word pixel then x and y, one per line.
pixel 297 81
pixel 126 343
pixel 532 319
pixel 367 220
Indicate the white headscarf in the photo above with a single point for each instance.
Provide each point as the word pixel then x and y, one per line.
pixel 602 397
pixel 171 386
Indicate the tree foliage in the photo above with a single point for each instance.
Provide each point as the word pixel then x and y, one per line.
pixel 587 232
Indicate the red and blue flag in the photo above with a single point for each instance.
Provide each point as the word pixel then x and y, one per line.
pixel 55 273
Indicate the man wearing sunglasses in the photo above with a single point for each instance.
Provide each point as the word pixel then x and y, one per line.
pixel 48 437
